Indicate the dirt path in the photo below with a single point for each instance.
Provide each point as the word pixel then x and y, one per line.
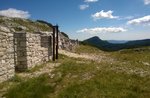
pixel 74 55
pixel 93 57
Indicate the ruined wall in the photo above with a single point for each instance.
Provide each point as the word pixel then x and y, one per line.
pixel 6 56
pixel 23 51
pixel 66 43
pixel 32 49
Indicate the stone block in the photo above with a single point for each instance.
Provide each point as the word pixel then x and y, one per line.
pixel 21 59
pixel 1 54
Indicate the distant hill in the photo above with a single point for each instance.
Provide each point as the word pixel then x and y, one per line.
pixel 106 46
pixel 96 41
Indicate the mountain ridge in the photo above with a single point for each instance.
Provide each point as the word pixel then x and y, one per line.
pixel 107 46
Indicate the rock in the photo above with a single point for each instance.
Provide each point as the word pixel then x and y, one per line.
pixel 5 29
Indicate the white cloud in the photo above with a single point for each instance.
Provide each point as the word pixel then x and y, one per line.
pixel 90 1
pixel 83 7
pixel 102 30
pixel 140 21
pixel 102 14
pixel 147 2
pixel 11 12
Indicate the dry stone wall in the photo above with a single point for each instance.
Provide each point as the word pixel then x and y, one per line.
pixel 32 49
pixel 6 56
pixel 66 43
pixel 21 51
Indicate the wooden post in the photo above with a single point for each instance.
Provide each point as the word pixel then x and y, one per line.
pixel 56 41
pixel 53 43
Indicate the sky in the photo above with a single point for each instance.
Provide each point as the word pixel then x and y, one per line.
pixel 81 19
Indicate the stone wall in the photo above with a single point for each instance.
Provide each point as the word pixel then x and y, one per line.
pixel 66 43
pixel 22 51
pixel 32 49
pixel 6 56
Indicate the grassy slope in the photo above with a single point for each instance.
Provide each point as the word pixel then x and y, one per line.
pixel 27 25
pixel 79 78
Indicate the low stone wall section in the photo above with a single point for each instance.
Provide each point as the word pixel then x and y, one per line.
pixel 66 43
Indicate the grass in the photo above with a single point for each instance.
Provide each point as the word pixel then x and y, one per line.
pixel 87 49
pixel 79 78
pixel 36 68
pixel 33 88
pixel 32 26
pixel 86 81
pixel 102 86
pixel 29 25
pixel 134 57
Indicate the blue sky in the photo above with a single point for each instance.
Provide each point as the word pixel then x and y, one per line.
pixel 81 19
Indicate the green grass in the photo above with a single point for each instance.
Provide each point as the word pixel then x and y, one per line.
pixel 33 88
pixel 134 57
pixel 108 85
pixel 86 81
pixel 79 78
pixel 31 26
pixel 87 49
pixel 36 68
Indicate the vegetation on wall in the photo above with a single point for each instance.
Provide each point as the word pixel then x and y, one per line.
pixel 27 25
pixel 44 22
pixel 64 34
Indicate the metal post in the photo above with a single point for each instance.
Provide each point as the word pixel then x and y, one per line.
pixel 56 41
pixel 53 43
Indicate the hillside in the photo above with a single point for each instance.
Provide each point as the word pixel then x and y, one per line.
pixel 88 72
pixel 106 46
pixel 18 24
pixel 120 74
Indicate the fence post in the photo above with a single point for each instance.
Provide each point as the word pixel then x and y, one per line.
pixel 57 41
pixel 53 43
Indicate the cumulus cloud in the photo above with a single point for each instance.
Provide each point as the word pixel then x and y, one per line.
pixel 147 2
pixel 102 30
pixel 102 14
pixel 90 1
pixel 83 7
pixel 11 12
pixel 140 21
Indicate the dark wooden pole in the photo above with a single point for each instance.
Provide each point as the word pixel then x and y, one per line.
pixel 56 41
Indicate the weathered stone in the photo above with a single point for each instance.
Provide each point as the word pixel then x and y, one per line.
pixel 5 29
pixel 30 52
pixel 23 51
pixel 6 55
